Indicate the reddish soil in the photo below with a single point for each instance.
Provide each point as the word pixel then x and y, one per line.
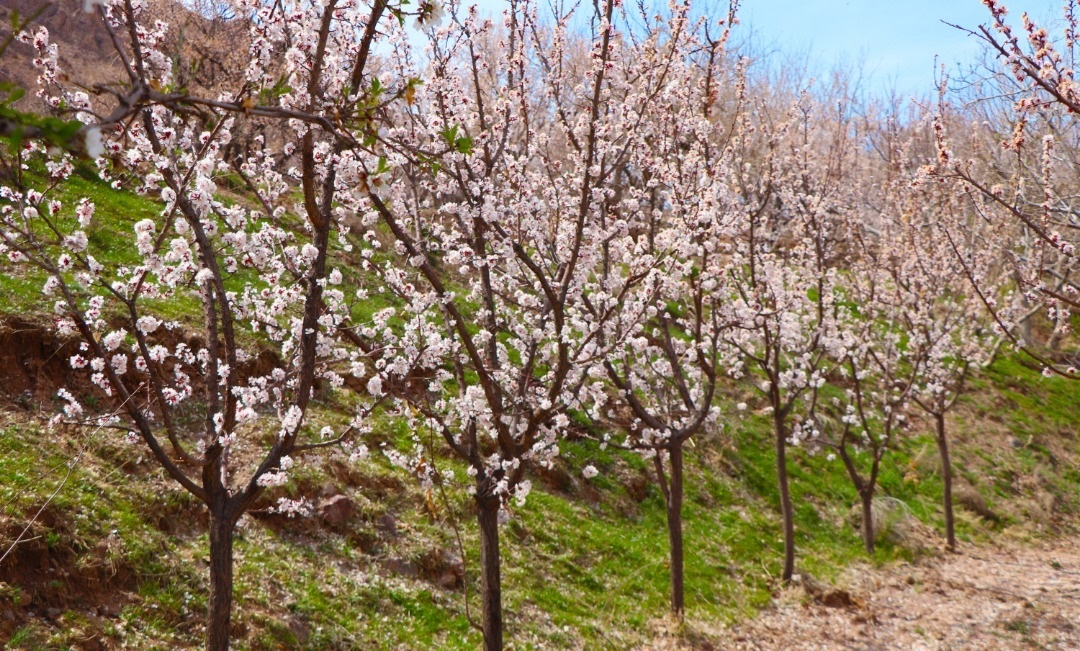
pixel 50 580
pixel 33 364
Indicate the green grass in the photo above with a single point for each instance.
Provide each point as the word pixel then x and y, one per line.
pixel 110 234
pixel 111 242
pixel 584 560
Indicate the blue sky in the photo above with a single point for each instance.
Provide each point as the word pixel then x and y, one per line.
pixel 894 40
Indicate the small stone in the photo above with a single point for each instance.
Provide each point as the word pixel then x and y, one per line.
pixel 968 498
pixel 299 629
pixel 402 567
pixel 837 598
pixel 387 524
pixel 337 510
pixel 454 576
pixel 449 581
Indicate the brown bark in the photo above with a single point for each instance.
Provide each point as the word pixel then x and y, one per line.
pixel 867 497
pixel 946 478
pixel 219 608
pixel 490 581
pixel 787 513
pixel 675 534
pixel 865 488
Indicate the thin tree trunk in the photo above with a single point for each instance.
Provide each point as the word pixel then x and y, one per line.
pixel 867 496
pixel 946 478
pixel 221 582
pixel 490 582
pixel 865 489
pixel 786 510
pixel 1023 325
pixel 675 537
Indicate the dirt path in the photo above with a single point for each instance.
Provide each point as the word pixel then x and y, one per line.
pixel 982 598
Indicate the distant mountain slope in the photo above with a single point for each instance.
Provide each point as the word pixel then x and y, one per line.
pixel 85 50
pixel 209 49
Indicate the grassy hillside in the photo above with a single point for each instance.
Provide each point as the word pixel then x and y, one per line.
pixel 115 556
pixel 118 554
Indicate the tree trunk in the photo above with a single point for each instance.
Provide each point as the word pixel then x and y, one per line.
pixel 221 582
pixel 675 538
pixel 867 496
pixel 786 510
pixel 1023 325
pixel 946 478
pixel 490 582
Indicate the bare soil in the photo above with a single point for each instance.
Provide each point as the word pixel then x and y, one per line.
pixel 982 598
pixel 41 582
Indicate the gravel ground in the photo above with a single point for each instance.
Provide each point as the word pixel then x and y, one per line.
pixel 982 598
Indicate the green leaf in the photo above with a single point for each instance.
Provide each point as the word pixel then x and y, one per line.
pixel 429 162
pixel 464 144
pixel 14 95
pixel 66 130
pixel 383 166
pixel 281 87
pixel 16 138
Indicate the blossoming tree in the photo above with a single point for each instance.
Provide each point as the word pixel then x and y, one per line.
pixel 657 301
pixel 877 368
pixel 260 277
pixel 491 251
pixel 944 327
pixel 1026 187
pixel 788 199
